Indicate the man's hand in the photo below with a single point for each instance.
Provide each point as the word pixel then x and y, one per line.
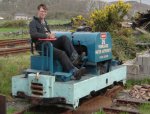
pixel 51 35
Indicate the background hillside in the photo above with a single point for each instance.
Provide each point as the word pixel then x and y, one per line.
pixel 58 9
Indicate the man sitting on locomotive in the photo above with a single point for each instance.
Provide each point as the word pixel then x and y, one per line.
pixel 63 50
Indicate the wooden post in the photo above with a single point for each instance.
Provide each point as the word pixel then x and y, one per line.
pixel 2 104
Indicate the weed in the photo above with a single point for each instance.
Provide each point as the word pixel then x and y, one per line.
pixel 144 108
pixel 100 112
pixel 10 66
pixel 130 83
pixel 11 110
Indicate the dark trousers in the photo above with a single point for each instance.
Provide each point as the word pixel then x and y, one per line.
pixel 63 50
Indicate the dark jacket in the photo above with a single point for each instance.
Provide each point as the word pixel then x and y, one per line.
pixel 37 31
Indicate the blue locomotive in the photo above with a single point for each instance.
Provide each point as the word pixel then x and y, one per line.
pixel 46 82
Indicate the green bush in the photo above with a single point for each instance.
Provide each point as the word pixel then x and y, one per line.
pixel 124 47
pixel 127 32
pixel 144 38
pixel 108 18
pixel 14 23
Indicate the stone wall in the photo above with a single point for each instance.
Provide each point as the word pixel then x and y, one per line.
pixel 139 67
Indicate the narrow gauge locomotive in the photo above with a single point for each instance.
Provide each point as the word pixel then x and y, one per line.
pixel 46 82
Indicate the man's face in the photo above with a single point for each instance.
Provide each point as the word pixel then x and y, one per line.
pixel 42 13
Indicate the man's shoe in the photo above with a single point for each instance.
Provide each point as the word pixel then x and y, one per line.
pixel 79 73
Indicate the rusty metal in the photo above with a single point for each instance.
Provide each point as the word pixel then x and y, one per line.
pixel 37 92
pixel 36 87
pixel 14 51
pixel 20 112
pixel 124 106
pixel 129 101
pixel 88 106
pixel 118 111
pixel 2 104
pixel 13 42
pixel 94 104
pixel 112 92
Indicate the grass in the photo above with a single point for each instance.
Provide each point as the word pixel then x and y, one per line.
pixel 11 110
pixel 11 33
pixel 124 113
pixel 12 36
pixel 58 22
pixel 145 108
pixel 11 66
pixel 30 113
pixel 100 112
pixel 11 29
pixel 144 38
pixel 6 33
pixel 130 83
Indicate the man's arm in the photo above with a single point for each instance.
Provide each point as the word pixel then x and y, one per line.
pixel 34 33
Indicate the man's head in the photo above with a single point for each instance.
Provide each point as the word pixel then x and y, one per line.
pixel 42 11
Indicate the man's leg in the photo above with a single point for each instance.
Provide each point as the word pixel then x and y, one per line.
pixel 67 64
pixel 63 59
pixel 63 43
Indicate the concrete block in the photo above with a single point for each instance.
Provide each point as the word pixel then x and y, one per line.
pixel 139 60
pixel 143 60
pixel 144 69
pixel 146 60
pixel 132 69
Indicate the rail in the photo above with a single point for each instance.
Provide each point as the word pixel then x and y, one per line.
pixel 14 50
pixel 13 42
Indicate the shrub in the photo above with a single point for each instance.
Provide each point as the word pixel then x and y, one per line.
pixel 14 23
pixel 78 21
pixel 108 18
pixel 144 38
pixel 124 47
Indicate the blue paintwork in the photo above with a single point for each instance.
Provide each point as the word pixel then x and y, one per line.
pixel 93 42
pixel 44 62
pixel 73 90
pixel 99 48
pixel 96 51
pixel 49 49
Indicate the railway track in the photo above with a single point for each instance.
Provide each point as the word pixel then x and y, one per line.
pixel 125 106
pixel 9 51
pixel 88 105
pixel 13 46
pixel 105 103
pixel 13 42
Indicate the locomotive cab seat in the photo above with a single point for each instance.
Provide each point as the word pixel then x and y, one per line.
pixel 45 64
